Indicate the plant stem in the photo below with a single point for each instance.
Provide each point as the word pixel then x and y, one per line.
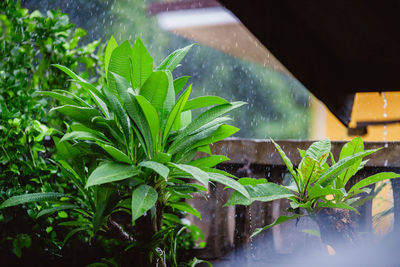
pixel 308 180
pixel 122 233
pixel 156 224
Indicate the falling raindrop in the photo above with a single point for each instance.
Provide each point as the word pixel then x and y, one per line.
pixel 251 239
pixel 385 132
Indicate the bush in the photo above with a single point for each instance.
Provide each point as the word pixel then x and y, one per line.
pixel 29 44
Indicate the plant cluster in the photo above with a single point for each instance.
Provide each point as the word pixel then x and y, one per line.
pixel 315 185
pixel 133 151
pixel 29 44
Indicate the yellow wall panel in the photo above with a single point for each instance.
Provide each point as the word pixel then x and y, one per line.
pixel 367 107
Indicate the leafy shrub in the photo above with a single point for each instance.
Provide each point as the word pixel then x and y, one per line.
pixel 29 44
pixel 315 186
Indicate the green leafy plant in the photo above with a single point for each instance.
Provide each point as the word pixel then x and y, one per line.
pixel 140 143
pixel 315 186
pixel 29 44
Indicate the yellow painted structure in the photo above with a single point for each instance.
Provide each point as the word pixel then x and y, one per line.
pixel 367 107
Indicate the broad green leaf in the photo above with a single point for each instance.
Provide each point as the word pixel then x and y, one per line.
pixel 143 198
pixel 183 121
pixel 33 197
pixel 362 164
pixel 200 136
pixel 221 133
pixel 117 154
pixel 119 64
pixel 111 172
pixel 142 64
pixel 59 97
pixel 122 85
pixel 219 121
pixel 264 192
pixel 214 170
pixel 169 102
pixel 155 89
pixel 292 186
pixel 310 170
pixel 302 152
pixel 91 89
pixel 205 149
pixel 55 209
pixel 215 177
pixel 96 95
pixel 188 143
pixel 80 114
pixel 111 45
pixel 207 117
pixel 287 161
pixel 330 174
pixel 172 218
pixel 357 201
pixel 279 220
pixel 374 179
pixel 110 128
pixel 69 168
pixel 79 127
pixel 142 131
pixel 80 135
pixel 134 111
pixel 162 157
pixel 252 181
pixel 183 189
pixel 180 83
pixel 195 172
pixel 339 205
pixel 210 161
pixel 152 118
pixel 186 119
pixel 70 73
pixel 157 167
pixel 183 206
pixel 354 146
pixel 317 191
pixel 332 158
pixel 172 61
pixel 204 101
pixel 319 149
pixel 175 113
pixel 118 109
pixel 80 101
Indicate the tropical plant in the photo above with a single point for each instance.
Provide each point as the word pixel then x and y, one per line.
pixel 139 142
pixel 316 188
